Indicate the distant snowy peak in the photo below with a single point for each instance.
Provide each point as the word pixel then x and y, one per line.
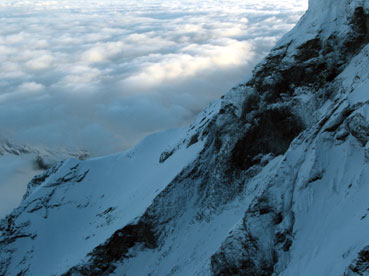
pixel 44 157
pixel 271 179
pixel 6 147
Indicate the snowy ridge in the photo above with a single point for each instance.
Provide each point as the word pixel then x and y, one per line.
pixel 19 163
pixel 269 180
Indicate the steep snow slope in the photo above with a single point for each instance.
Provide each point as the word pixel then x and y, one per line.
pixel 76 205
pixel 269 180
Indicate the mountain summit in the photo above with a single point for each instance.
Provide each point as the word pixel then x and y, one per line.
pixel 271 179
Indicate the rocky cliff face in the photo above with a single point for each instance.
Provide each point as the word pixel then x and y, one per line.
pixel 272 179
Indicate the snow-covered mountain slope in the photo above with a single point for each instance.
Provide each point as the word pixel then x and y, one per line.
pixel 272 179
pixel 77 205
pixel 18 164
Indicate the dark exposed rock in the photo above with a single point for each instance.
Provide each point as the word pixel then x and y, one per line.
pixel 273 131
pixel 310 49
pixel 194 139
pixel 316 61
pixel 358 126
pixel 165 155
pixel 116 248
pixel 361 265
pixel 287 245
pixel 360 35
pixel 247 251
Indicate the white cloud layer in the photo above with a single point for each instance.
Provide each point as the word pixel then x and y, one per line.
pixel 100 75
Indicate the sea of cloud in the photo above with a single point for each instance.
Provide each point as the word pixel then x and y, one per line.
pixel 100 75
